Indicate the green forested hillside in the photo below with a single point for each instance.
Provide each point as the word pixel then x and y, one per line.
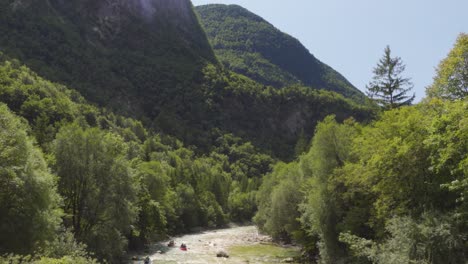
pixel 247 44
pixel 274 119
pixel 165 75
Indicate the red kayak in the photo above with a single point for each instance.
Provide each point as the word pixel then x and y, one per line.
pixel 183 247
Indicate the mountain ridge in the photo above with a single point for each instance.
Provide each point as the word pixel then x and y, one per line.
pixel 244 41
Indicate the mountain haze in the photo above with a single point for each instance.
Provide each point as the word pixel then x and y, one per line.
pixel 247 44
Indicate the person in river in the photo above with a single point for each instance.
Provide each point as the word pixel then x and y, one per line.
pixel 183 247
pixel 171 243
pixel 147 260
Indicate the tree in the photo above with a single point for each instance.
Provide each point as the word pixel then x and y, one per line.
pixel 97 186
pixel 451 81
pixel 388 88
pixel 330 150
pixel 29 202
pixel 277 201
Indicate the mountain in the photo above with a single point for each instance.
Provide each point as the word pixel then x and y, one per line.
pixel 114 52
pixel 249 45
pixel 151 60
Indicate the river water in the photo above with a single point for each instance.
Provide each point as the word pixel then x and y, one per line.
pixel 243 244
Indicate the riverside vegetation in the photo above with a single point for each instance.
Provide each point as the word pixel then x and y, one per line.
pixel 391 191
pixel 108 143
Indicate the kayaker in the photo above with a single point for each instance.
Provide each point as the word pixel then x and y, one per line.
pixel 183 247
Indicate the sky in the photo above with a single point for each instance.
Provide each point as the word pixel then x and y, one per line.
pixel 351 35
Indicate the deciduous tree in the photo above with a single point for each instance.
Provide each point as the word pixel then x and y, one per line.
pixel 97 187
pixel 451 81
pixel 29 202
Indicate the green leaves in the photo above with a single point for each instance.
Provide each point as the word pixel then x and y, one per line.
pixel 431 239
pixel 394 191
pixel 451 81
pixel 97 186
pixel 29 203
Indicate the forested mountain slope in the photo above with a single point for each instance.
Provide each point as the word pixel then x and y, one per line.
pixel 151 60
pixel 130 55
pixel 249 45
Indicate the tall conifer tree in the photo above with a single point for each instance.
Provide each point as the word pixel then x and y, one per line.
pixel 388 87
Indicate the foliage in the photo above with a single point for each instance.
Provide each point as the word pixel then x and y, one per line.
pixel 330 149
pixel 29 202
pixel 97 187
pixel 388 88
pixel 433 239
pixel 278 200
pixel 273 119
pixel 249 45
pixel 15 259
pixel 394 191
pixel 451 80
pixel 64 245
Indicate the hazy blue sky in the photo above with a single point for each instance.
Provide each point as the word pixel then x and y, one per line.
pixel 350 35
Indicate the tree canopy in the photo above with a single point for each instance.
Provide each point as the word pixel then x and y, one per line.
pixel 451 80
pixel 389 191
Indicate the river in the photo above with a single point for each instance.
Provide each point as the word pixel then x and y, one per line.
pixel 243 244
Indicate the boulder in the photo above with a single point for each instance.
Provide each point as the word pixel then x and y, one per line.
pixel 222 254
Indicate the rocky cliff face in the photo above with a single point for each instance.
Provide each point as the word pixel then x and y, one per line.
pixel 109 16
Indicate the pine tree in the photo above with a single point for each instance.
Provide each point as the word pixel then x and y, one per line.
pixel 388 88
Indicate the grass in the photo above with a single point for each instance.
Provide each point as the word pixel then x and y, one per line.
pixel 263 253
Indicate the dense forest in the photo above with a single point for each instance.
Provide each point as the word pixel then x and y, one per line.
pixel 114 134
pixel 68 166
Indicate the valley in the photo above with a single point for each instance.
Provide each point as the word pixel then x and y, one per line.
pixel 124 124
